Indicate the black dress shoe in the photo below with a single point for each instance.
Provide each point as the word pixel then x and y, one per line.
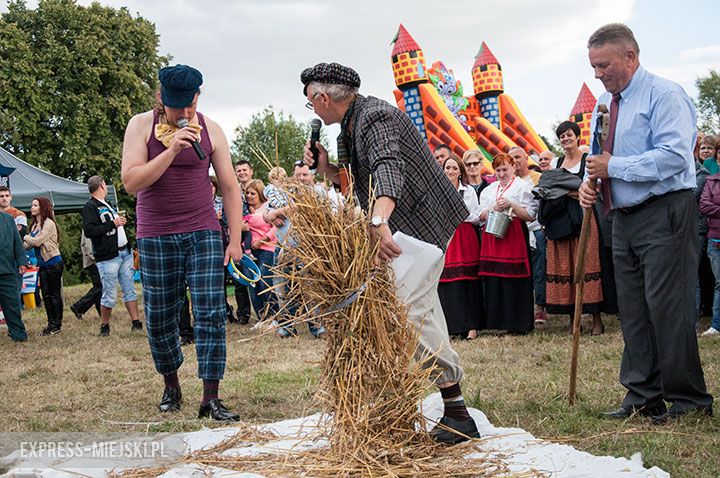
pixel 215 409
pixel 77 313
pixel 623 413
pixel 170 400
pixel 454 431
pixel 672 415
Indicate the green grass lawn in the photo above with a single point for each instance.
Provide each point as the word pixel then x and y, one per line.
pixel 77 381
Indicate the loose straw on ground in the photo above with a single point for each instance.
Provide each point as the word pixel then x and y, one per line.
pixel 370 386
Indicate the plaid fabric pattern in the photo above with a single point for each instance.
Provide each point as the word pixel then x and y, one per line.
pixel 388 152
pixel 167 263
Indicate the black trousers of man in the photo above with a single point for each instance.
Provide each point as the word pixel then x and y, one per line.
pixel 92 296
pixel 656 264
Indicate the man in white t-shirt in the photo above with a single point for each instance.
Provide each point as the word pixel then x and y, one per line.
pixel 104 226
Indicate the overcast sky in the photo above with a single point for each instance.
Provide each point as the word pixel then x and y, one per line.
pixel 251 52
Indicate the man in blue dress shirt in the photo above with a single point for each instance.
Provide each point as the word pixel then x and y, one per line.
pixel 647 162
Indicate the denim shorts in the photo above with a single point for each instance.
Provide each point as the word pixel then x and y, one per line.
pixel 112 271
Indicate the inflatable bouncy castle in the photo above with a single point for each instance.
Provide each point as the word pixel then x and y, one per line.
pixel 582 113
pixel 489 120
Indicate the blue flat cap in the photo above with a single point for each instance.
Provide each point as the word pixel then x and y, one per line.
pixel 178 85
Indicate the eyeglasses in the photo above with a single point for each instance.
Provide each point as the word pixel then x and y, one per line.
pixel 472 164
pixel 309 104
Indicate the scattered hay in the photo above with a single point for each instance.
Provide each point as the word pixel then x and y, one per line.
pixel 371 386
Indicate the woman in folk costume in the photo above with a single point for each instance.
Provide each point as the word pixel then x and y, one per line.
pixel 562 247
pixel 460 288
pixel 505 262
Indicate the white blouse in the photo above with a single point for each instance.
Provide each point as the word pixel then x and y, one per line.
pixel 471 201
pixel 518 191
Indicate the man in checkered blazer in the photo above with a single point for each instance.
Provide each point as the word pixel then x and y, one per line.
pixel 383 148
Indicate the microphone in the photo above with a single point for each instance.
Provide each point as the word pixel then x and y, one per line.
pixel 183 123
pixel 315 126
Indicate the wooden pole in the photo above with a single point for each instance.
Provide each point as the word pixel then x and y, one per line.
pixel 579 276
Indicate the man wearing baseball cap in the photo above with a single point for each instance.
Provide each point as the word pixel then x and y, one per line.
pixel 412 196
pixel 178 235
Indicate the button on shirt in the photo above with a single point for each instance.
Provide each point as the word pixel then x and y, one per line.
pixel 654 140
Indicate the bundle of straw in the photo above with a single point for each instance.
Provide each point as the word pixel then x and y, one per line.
pixel 370 386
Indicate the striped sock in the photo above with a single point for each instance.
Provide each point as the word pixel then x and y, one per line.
pixel 454 404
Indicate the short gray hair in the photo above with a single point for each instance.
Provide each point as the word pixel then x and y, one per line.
pixel 614 34
pixel 94 183
pixel 335 92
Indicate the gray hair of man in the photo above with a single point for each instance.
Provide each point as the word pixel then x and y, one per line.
pixel 614 34
pixel 338 93
pixel 94 183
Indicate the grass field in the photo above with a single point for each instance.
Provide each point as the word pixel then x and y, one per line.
pixel 77 381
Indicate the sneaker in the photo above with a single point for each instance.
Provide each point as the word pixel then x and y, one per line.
pixel 540 317
pixel 710 332
pixel 136 325
pixel 450 431
pixel 74 310
pixel 49 331
pixel 104 330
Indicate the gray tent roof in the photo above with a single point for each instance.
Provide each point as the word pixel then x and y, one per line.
pixel 27 182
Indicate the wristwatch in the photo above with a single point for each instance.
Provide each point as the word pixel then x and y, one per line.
pixel 378 221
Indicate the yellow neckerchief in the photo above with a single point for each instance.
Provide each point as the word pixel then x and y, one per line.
pixel 165 132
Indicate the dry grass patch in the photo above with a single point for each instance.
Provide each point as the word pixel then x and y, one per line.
pixel 77 381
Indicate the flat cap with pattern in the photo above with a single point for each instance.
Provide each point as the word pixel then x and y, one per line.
pixel 178 85
pixel 331 74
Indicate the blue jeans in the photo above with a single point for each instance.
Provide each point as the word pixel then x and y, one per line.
pixel 538 262
pixel 258 296
pixel 713 252
pixel 120 269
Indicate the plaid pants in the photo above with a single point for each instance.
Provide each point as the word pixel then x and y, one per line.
pixel 166 264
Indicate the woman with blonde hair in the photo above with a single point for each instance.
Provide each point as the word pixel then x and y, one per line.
pixel 44 239
pixel 262 249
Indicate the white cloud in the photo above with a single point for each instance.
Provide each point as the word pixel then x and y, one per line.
pixel 251 52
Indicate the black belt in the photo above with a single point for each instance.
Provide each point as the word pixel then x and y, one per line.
pixel 122 248
pixel 650 200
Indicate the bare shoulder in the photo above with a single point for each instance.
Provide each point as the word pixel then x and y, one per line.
pixel 214 129
pixel 141 122
pixel 217 135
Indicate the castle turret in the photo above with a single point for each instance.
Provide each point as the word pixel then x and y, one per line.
pixel 488 83
pixel 408 61
pixel 408 64
pixel 582 113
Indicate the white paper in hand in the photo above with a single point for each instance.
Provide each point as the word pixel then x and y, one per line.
pixel 417 258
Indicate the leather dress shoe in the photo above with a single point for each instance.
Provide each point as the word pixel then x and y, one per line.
pixel 674 414
pixel 215 409
pixel 170 400
pixel 450 431
pixel 623 413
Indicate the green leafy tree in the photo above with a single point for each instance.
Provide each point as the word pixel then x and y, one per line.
pixel 71 77
pixel 271 139
pixel 708 103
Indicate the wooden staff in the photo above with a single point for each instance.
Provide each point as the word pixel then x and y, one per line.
pixel 601 132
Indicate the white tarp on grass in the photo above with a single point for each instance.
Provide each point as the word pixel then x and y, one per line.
pixel 518 449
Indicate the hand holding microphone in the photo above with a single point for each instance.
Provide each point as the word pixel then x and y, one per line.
pixel 315 126
pixel 183 123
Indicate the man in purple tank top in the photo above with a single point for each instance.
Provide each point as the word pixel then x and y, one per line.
pixel 178 234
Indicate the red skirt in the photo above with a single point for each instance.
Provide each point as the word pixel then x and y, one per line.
pixel 463 255
pixel 506 257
